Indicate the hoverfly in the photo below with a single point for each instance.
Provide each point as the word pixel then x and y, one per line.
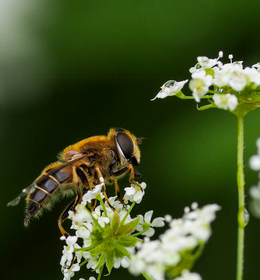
pixel 80 167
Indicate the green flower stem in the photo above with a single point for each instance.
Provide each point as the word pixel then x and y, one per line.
pixel 81 264
pixel 103 205
pixel 128 212
pixel 191 97
pixel 145 275
pixel 213 92
pixel 85 248
pixel 95 220
pixel 241 201
pixel 139 233
pixel 100 272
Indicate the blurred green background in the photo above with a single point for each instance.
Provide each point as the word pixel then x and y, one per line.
pixel 73 69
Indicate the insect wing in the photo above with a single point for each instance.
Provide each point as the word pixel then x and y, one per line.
pixel 24 193
pixel 31 188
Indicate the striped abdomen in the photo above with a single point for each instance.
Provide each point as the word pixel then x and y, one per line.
pixel 44 188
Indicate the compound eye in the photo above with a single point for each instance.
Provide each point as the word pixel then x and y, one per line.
pixel 125 144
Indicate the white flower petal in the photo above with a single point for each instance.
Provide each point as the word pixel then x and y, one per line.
pixel 148 216
pixel 158 222
pixel 170 88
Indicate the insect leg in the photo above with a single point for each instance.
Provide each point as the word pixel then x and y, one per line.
pixel 64 216
pixel 117 189
pixel 78 190
pixel 132 176
pixel 103 188
pixel 73 204
pixel 133 173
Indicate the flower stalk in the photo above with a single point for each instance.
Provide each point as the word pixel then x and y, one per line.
pixel 241 200
pixel 235 89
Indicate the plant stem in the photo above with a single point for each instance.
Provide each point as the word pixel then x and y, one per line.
pixel 100 272
pixel 128 212
pixel 241 201
pixel 146 276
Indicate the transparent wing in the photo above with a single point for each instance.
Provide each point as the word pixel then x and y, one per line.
pixel 76 157
pixel 24 193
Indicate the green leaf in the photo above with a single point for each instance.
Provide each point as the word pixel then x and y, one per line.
pixel 128 228
pixel 97 250
pixel 101 260
pixel 129 241
pixel 122 249
pixel 115 222
pixel 118 254
pixel 110 260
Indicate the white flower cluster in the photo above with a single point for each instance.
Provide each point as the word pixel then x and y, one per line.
pixel 85 223
pixel 227 81
pixel 183 236
pixel 230 75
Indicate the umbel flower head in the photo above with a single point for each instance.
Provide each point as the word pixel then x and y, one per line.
pixel 227 86
pixel 178 248
pixel 104 236
pixel 110 238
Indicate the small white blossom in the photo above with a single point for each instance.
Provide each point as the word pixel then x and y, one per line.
pixel 157 222
pixel 168 218
pixel 170 88
pixel 102 220
pixel 80 215
pixel 255 160
pixel 134 193
pixel 238 79
pixel 83 232
pixel 156 270
pixel 255 202
pixel 200 84
pixel 255 192
pixel 257 66
pixel 187 275
pixel 124 262
pixel 92 263
pixel 226 101
pixel 194 205
pixel 204 62
pixel 68 274
pixel 81 254
pixel 68 250
pixel 116 204
pixel 93 193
